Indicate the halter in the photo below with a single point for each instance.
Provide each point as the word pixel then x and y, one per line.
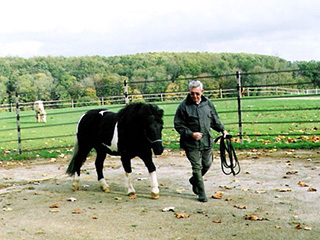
pixel 154 141
pixel 151 141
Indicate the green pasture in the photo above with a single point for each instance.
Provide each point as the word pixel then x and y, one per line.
pixel 267 123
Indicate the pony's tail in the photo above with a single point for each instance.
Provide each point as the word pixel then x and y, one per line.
pixel 73 162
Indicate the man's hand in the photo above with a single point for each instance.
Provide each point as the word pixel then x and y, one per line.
pixel 225 133
pixel 197 135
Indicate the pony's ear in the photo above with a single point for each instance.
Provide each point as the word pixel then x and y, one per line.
pixel 157 111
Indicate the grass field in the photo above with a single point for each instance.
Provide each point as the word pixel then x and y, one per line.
pixel 267 123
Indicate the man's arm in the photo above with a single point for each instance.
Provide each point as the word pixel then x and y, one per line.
pixel 180 124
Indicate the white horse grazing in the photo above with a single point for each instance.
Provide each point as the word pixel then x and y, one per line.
pixel 41 114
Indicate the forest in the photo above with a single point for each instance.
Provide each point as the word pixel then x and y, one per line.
pixel 56 78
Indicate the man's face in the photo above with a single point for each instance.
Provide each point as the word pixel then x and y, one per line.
pixel 195 94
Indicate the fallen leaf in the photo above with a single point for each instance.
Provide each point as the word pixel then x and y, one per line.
pixel 292 172
pixel 228 199
pixel 182 215
pixel 76 211
pixel 284 190
pixel 168 209
pixel 7 209
pixel 303 184
pixel 118 198
pixel 71 199
pixel 311 189
pixel 40 232
pixel 253 217
pixel 217 221
pixel 55 205
pixel 240 206
pixel 54 210
pixel 200 211
pixel 261 191
pixel 307 228
pixel 180 190
pixel 298 226
pixel 133 196
pixel 217 195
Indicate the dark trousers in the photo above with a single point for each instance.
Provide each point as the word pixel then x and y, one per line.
pixel 200 160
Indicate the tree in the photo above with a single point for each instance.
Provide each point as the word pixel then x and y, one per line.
pixel 312 71
pixel 137 96
pixel 3 89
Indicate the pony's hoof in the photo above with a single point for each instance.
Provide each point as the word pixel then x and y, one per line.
pixel 155 195
pixel 75 187
pixel 105 188
pixel 131 194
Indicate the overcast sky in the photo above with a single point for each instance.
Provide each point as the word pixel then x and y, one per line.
pixel 289 29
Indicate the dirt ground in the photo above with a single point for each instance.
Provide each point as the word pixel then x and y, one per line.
pixel 278 190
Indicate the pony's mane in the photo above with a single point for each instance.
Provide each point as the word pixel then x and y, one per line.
pixel 141 112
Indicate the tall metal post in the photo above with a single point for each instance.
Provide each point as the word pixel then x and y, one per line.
pixel 239 105
pixel 18 123
pixel 126 97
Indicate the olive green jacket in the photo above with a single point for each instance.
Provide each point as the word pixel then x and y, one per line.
pixel 191 117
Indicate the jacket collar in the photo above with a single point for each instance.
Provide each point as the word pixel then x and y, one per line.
pixel 189 100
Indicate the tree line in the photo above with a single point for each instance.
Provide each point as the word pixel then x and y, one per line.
pixel 58 78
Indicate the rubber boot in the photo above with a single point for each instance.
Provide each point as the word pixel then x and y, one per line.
pixel 194 186
pixel 200 186
pixel 204 171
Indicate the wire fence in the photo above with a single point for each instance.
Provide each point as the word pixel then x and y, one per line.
pixel 19 130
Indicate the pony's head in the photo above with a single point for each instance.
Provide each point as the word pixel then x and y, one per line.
pixel 153 125
pixel 144 123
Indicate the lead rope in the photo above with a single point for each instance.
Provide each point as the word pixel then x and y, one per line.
pixel 233 164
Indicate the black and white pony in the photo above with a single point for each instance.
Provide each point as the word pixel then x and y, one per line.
pixel 134 131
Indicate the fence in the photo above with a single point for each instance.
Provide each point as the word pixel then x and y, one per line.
pixel 20 135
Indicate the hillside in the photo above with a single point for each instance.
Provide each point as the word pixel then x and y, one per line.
pixel 95 76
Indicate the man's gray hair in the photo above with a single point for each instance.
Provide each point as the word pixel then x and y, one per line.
pixel 195 84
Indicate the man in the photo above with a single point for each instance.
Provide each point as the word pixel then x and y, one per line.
pixel 193 119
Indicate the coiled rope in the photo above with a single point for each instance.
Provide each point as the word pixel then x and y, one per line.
pixel 230 165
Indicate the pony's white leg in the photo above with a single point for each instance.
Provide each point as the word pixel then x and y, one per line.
pixel 44 118
pixel 154 185
pixel 128 184
pixel 104 186
pixel 75 184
